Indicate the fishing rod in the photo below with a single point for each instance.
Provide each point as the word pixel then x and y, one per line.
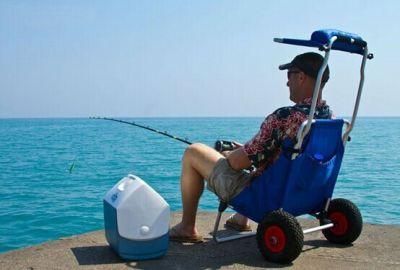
pixel 72 166
pixel 145 127
pixel 220 145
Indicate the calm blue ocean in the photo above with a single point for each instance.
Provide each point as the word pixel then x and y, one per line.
pixel 42 200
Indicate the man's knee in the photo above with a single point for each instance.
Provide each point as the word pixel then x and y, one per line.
pixel 201 157
pixel 193 150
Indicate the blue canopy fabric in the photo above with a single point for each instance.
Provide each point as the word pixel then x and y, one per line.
pixel 346 42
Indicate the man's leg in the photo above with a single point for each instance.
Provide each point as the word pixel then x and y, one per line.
pixel 197 164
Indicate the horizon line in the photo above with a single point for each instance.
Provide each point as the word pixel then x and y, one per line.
pixel 212 116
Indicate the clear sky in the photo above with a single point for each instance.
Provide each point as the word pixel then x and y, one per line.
pixel 185 58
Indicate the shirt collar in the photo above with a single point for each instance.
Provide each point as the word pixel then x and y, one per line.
pixel 308 101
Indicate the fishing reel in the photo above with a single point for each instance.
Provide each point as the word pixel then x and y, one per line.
pixel 222 146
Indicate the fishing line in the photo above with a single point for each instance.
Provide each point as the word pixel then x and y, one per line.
pixel 72 166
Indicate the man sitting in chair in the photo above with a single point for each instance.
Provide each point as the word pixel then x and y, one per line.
pixel 225 174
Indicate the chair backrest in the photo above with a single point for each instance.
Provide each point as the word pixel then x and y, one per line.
pixel 299 186
pixel 325 138
pixel 312 175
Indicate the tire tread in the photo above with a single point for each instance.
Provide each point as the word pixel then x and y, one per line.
pixel 354 219
pixel 293 232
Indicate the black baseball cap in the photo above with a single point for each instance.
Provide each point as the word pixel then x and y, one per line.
pixel 309 63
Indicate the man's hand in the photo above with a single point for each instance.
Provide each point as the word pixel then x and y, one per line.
pixel 236 145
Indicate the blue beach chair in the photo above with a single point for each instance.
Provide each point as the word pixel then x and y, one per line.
pixel 303 178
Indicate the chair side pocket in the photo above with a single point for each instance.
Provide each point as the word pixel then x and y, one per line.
pixel 315 172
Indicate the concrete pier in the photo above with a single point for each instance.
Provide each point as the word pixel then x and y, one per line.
pixel 377 248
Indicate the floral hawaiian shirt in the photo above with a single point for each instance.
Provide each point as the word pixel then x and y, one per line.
pixel 264 148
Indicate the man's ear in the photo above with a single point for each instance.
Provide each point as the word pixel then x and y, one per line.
pixel 302 77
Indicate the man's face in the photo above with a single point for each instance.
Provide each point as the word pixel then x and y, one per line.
pixel 293 83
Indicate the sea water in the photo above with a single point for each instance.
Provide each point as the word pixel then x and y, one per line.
pixel 54 173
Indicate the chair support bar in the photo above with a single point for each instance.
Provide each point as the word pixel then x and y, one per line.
pixel 222 206
pixel 318 228
pixel 234 237
pixel 360 87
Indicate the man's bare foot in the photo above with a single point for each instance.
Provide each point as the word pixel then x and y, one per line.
pixel 179 233
pixel 238 222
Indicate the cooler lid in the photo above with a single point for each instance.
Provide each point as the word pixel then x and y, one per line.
pixel 142 214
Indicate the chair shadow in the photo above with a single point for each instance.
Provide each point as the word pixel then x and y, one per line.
pixel 206 255
pixel 318 243
pixel 325 243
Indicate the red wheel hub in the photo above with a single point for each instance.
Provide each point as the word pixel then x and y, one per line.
pixel 275 239
pixel 340 223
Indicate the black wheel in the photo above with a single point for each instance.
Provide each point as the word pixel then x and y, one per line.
pixel 279 237
pixel 347 222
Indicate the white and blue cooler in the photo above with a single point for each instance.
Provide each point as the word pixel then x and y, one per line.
pixel 136 220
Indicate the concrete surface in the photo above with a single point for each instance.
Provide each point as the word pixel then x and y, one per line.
pixel 377 248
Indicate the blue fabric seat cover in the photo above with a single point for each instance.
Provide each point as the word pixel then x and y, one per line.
pixel 299 186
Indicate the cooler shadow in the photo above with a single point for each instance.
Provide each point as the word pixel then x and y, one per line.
pixel 96 255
